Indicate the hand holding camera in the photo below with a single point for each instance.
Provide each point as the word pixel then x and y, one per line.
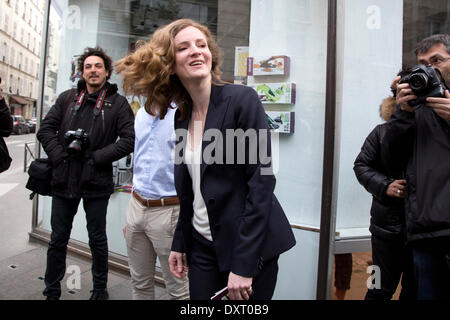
pixel 418 84
pixel 441 105
pixel 403 94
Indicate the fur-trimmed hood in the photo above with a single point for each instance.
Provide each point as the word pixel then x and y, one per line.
pixel 387 108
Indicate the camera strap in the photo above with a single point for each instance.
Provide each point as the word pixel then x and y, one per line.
pixel 76 107
pixel 98 103
pixel 97 107
pixel 79 101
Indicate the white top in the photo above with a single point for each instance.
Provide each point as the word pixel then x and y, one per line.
pixel 192 158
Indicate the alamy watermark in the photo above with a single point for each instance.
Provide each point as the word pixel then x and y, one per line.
pixel 73 20
pixel 73 281
pixel 373 17
pixel 236 146
pixel 374 280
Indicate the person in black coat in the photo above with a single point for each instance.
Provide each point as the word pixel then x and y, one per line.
pixel 418 139
pixel 6 128
pixel 387 222
pixel 6 122
pixel 79 135
pixel 231 228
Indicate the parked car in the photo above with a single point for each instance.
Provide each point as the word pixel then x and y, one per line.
pixel 31 123
pixel 20 125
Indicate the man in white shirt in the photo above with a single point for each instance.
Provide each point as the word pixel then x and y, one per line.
pixel 153 210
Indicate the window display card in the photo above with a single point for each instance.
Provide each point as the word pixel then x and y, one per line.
pixel 240 61
pixel 281 121
pixel 275 93
pixel 267 66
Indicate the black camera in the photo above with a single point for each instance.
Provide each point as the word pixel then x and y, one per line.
pixel 425 81
pixel 76 140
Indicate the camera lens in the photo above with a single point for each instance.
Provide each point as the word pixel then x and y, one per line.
pixel 74 147
pixel 418 81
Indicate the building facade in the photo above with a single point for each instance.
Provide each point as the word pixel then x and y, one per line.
pixel 21 24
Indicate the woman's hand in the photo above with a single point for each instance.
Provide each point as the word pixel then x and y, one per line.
pixel 239 288
pixel 178 264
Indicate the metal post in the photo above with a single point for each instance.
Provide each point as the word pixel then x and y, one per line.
pixel 25 158
pixel 327 219
pixel 39 105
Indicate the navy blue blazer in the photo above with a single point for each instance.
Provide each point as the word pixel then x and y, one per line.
pixel 248 225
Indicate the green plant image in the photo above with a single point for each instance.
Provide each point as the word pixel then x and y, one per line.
pixel 270 95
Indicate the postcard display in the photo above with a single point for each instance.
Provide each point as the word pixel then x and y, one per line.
pixel 274 93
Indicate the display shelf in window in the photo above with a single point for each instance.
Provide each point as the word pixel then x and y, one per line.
pixel 275 93
pixel 268 66
pixel 281 121
pixel 240 61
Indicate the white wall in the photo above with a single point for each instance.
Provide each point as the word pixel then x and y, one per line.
pixel 369 57
pixel 298 29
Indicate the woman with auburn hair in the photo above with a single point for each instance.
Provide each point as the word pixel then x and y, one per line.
pixel 148 71
pixel 231 228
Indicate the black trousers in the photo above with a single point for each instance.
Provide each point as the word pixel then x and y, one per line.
pixel 431 268
pixel 205 279
pixel 394 258
pixel 63 212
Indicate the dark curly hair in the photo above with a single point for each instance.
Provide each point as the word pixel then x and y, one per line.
pixel 425 45
pixel 99 52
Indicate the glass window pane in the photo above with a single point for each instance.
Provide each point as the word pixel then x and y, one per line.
pixel 375 40
pixel 296 30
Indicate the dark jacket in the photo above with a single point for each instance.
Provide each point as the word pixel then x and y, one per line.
pixel 421 141
pixel 6 122
pixel 6 127
pixel 88 174
pixel 387 219
pixel 247 223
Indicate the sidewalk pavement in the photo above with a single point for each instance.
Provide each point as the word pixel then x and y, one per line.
pixel 22 278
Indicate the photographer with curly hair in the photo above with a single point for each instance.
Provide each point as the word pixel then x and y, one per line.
pixel 79 135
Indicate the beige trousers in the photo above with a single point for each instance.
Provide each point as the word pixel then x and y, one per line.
pixel 149 234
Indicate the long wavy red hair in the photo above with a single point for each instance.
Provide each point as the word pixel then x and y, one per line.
pixel 149 71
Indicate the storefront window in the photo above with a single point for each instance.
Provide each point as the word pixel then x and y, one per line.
pixel 279 48
pixel 421 19
pixel 375 40
pixel 286 43
pixel 114 26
